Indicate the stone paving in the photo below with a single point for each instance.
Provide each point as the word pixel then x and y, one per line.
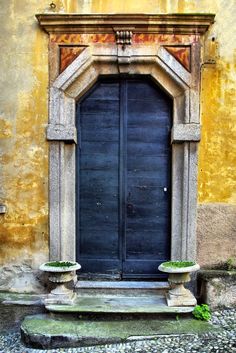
pixel 223 341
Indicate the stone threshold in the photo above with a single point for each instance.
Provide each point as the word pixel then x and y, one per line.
pixel 104 304
pixel 47 331
pixel 122 288
pixel 122 285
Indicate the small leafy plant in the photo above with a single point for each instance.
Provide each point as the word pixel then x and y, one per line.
pixel 178 264
pixel 60 264
pixel 202 312
pixel 230 264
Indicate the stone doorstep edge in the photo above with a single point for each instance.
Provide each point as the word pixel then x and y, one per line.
pixel 69 341
pixel 42 341
pixel 154 310
pixel 35 334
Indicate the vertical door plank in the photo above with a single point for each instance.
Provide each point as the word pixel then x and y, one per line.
pixel 98 180
pixel 147 240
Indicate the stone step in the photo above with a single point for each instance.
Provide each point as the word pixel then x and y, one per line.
pixel 117 304
pixel 50 331
pixel 127 288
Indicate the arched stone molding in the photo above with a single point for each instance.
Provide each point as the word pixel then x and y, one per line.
pixel 69 86
pixel 126 51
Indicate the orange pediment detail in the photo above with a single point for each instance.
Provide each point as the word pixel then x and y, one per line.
pixel 182 54
pixel 68 55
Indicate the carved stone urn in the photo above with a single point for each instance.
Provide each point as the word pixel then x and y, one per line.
pixel 60 273
pixel 179 273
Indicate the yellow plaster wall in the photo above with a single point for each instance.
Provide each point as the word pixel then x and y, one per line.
pixel 23 114
pixel 23 149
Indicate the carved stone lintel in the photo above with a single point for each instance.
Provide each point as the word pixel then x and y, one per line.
pixel 124 37
pixel 142 23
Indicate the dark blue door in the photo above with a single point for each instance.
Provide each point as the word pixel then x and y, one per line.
pixel 123 179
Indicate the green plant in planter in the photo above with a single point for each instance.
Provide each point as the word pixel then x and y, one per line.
pixel 178 264
pixel 60 264
pixel 202 312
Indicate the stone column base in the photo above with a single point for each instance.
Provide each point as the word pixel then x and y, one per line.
pixel 181 300
pixel 64 298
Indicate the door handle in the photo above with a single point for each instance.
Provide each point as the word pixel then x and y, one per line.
pixel 130 209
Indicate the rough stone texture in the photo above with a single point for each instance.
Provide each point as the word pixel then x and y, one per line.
pixel 117 304
pixel 216 233
pixel 13 315
pixel 186 132
pixel 21 278
pixel 44 331
pixel 61 133
pixel 218 288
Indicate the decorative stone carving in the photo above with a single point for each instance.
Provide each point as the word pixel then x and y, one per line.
pixel 124 37
pixel 142 23
pixel 182 54
pixel 68 54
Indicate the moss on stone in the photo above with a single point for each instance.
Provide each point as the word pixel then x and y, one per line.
pixel 45 325
pixel 178 264
pixel 60 264
pixel 209 274
pixel 17 297
pixel 104 304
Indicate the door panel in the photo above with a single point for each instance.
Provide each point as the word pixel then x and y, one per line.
pixel 123 163
pixel 148 210
pixel 98 119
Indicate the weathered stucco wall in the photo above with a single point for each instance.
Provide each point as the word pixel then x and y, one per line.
pixel 23 117
pixel 23 149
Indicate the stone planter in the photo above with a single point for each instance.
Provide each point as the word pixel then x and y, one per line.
pixel 179 273
pixel 60 276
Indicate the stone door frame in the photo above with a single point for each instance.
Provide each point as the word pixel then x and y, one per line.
pixel 124 57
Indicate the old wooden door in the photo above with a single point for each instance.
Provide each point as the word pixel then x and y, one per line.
pixel 123 179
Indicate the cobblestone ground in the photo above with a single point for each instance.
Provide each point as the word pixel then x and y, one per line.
pixel 223 342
